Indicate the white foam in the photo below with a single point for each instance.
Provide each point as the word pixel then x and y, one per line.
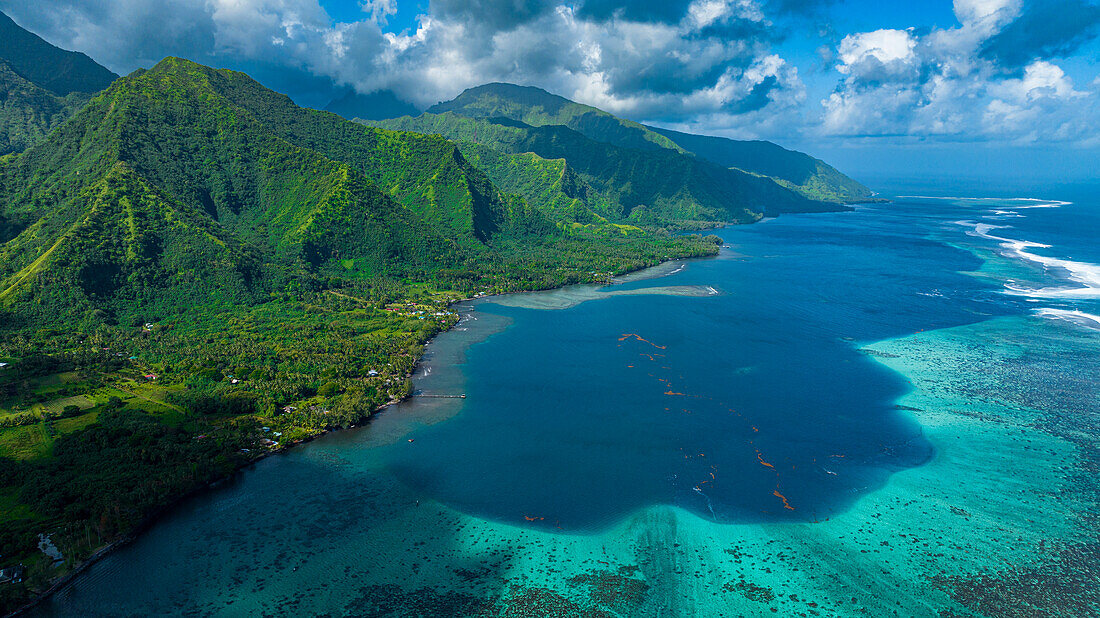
pixel 1088 320
pixel 1034 202
pixel 1085 274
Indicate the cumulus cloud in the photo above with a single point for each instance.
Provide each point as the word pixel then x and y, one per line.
pixel 704 65
pixel 947 82
pixel 656 60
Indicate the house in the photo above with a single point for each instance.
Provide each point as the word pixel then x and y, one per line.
pixel 150 376
pixel 2 365
pixel 11 575
pixel 372 373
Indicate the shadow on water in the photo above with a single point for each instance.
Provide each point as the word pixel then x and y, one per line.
pixel 297 533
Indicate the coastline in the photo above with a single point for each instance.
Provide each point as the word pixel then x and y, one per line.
pixel 901 548
pixel 1000 504
pixel 62 581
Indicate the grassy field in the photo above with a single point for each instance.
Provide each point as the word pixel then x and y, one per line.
pixel 58 405
pixel 69 425
pixel 27 442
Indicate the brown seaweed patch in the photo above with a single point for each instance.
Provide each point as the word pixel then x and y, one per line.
pixel 786 505
pixel 760 458
pixel 639 338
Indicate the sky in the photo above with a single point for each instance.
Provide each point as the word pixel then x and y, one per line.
pixel 997 89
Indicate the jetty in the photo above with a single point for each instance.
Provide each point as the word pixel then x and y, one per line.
pixel 430 396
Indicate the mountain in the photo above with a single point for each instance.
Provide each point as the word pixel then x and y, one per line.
pixel 29 112
pixel 171 185
pixel 52 68
pixel 184 184
pixel 811 177
pixel 651 185
pixel 41 86
pixel 536 107
pixel 795 170
pixel 373 106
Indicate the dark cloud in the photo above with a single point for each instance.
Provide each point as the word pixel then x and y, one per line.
pixel 121 34
pixel 758 98
pixel 492 14
pixel 1046 29
pixel 663 11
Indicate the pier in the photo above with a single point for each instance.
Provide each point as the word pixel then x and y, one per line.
pixel 461 396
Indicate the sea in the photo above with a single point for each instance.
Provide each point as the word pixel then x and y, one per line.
pixel 888 411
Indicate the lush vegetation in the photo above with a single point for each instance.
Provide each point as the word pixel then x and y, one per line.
pixel 810 177
pixel 194 271
pixel 656 186
pixel 800 172
pixel 41 86
pixel 536 107
pixel 28 112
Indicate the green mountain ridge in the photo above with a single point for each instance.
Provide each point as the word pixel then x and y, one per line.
pixel 121 229
pixel 812 178
pixel 537 107
pixel 28 112
pixel 41 86
pixel 48 66
pixel 169 135
pixel 795 170
pixel 263 189
pixel 651 186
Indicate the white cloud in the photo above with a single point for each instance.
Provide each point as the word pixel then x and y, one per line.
pixel 885 46
pixel 715 59
pixel 895 82
pixel 704 13
pixel 708 65
pixel 986 14
pixel 1041 79
pixel 379 10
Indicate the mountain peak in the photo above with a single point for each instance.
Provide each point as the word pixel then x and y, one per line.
pixel 48 66
pixel 500 98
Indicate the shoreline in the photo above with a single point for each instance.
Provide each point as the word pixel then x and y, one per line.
pixel 62 581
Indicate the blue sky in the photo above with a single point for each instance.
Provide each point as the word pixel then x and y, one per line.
pixel 993 88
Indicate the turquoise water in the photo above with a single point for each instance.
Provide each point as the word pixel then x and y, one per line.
pixel 774 428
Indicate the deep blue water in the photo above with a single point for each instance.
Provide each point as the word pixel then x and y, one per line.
pixel 733 406
pixel 568 423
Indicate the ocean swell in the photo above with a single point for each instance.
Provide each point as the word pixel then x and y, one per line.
pixel 1086 275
